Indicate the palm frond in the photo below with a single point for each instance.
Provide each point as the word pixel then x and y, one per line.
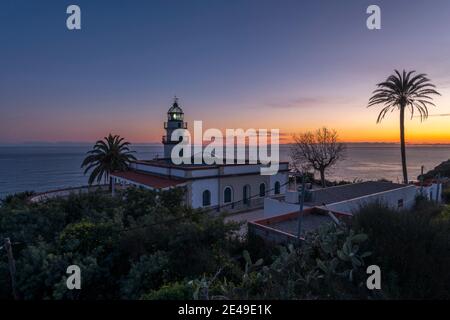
pixel 107 155
pixel 404 90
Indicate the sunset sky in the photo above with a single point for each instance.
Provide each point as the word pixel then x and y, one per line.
pixel 292 65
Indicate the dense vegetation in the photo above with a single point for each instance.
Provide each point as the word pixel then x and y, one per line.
pixel 125 247
pixel 145 245
pixel 411 247
pixel 443 169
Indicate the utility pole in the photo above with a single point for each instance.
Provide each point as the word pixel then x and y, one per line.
pixel 12 267
pixel 302 201
pixel 421 180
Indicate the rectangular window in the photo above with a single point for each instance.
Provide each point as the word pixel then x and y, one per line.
pixel 400 203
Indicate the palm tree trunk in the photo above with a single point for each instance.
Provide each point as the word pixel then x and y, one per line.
pixel 402 143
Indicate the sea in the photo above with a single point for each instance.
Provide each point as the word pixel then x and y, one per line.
pixel 48 167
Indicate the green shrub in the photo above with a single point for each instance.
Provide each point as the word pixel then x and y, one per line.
pixel 15 200
pixel 125 246
pixel 172 291
pixel 444 216
pixel 148 245
pixel 148 273
pixel 446 195
pixel 411 248
pixel 328 265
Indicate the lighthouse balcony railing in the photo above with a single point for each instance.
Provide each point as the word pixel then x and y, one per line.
pixel 180 125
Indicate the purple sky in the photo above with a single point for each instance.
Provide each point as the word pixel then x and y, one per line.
pixel 292 65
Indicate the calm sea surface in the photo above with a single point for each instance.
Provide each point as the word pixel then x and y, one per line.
pixel 40 168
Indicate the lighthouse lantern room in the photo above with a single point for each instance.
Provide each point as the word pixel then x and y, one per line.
pixel 175 120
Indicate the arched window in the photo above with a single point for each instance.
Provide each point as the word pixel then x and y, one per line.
pixel 262 190
pixel 227 195
pixel 277 187
pixel 206 198
pixel 246 194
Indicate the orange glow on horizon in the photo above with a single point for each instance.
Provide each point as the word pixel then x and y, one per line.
pixel 353 122
pixel 432 131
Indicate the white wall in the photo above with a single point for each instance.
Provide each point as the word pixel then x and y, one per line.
pixel 198 186
pixel 178 173
pixel 161 170
pixel 204 172
pixel 273 207
pixel 122 181
pixel 152 169
pixel 239 169
pixel 282 178
pixel 391 198
pixel 292 196
pixel 431 191
pixel 66 192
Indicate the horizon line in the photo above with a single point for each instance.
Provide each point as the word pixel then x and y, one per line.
pixel 83 143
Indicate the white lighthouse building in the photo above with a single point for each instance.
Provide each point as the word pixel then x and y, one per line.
pixel 223 187
pixel 175 120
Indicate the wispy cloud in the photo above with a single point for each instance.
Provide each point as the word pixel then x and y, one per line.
pixel 306 102
pixel 436 115
pixel 303 102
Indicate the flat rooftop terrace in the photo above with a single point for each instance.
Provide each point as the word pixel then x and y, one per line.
pixel 309 222
pixel 285 226
pixel 350 191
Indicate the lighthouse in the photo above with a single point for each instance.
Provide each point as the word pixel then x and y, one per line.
pixel 227 187
pixel 175 120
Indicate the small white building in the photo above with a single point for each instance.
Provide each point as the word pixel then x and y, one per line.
pixel 225 187
pixel 432 190
pixel 348 199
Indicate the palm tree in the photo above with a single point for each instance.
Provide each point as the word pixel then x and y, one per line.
pixel 107 155
pixel 408 90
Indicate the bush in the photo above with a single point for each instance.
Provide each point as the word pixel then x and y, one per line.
pixel 125 246
pixel 147 245
pixel 328 265
pixel 15 200
pixel 411 248
pixel 150 272
pixel 173 291
pixel 446 195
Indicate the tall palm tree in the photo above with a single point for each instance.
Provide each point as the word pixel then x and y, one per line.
pixel 401 91
pixel 107 155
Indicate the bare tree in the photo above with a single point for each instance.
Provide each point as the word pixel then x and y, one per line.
pixel 319 150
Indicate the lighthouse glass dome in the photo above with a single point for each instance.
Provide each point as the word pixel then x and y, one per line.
pixel 175 112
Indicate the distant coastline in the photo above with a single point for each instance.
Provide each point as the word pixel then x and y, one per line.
pixel 155 144
pixel 40 167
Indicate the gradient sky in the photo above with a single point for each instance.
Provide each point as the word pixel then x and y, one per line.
pixel 292 65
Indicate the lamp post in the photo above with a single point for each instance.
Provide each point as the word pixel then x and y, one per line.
pixel 302 201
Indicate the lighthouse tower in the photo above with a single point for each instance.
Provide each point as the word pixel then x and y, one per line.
pixel 175 121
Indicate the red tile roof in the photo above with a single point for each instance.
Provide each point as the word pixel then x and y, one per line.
pixel 148 179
